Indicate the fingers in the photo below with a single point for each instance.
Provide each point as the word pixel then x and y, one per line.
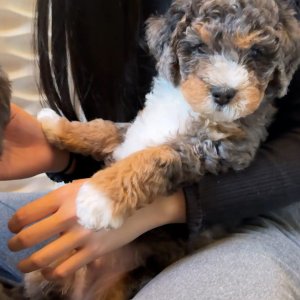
pixel 69 266
pixel 39 232
pixel 97 244
pixel 55 250
pixel 34 211
pixel 60 199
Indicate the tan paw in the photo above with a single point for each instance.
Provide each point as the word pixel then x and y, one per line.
pixel 95 209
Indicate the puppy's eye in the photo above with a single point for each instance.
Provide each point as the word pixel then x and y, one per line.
pixel 200 48
pixel 255 52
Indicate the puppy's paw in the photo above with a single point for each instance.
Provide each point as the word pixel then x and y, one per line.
pixel 51 123
pixel 48 117
pixel 95 209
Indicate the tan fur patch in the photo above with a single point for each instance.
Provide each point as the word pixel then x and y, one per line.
pixel 204 34
pixel 246 41
pixel 253 92
pixel 226 130
pixel 255 96
pixel 235 132
pixel 195 91
pixel 134 181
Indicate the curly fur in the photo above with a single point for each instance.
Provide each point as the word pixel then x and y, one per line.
pixel 221 63
pixel 5 95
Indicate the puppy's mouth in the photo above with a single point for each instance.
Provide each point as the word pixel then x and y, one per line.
pixel 222 89
pixel 221 103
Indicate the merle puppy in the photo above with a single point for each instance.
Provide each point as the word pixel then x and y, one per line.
pixel 220 63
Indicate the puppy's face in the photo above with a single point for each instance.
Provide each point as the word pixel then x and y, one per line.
pixel 224 72
pixel 226 55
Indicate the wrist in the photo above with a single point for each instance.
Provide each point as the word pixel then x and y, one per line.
pixel 67 174
pixel 163 211
pixel 59 160
pixel 174 208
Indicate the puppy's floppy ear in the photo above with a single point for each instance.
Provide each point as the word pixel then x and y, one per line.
pixel 5 95
pixel 161 35
pixel 288 32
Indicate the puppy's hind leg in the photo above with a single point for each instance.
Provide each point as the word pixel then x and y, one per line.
pixel 97 138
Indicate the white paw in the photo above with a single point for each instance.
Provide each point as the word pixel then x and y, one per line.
pixel 94 209
pixel 48 118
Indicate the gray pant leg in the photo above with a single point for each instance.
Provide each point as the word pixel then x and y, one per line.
pixel 261 262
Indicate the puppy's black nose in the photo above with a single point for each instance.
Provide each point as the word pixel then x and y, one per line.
pixel 222 95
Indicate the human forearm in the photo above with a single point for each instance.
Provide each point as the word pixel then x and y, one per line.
pixel 52 160
pixel 173 208
pixel 26 152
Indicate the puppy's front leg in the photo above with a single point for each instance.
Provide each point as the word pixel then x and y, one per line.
pixel 97 138
pixel 111 195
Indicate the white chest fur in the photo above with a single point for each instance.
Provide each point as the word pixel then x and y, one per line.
pixel 166 114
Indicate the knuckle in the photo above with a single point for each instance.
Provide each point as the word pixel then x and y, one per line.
pixel 59 274
pixel 80 233
pixel 84 234
pixel 95 250
pixel 20 217
pixel 23 240
pixel 92 250
pixel 59 218
pixel 38 262
pixel 65 218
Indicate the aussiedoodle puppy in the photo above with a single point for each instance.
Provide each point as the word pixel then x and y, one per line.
pixel 5 95
pixel 220 63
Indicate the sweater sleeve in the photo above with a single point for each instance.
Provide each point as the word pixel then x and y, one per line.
pixel 271 181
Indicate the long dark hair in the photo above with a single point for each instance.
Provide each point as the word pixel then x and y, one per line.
pixel 109 63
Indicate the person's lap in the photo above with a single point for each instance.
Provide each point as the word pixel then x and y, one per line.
pixel 260 262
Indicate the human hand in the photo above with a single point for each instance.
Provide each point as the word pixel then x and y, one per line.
pixel 55 213
pixel 26 151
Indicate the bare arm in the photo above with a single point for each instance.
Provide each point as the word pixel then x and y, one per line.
pixel 26 152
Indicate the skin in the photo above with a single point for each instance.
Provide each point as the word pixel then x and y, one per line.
pixel 54 214
pixel 23 137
